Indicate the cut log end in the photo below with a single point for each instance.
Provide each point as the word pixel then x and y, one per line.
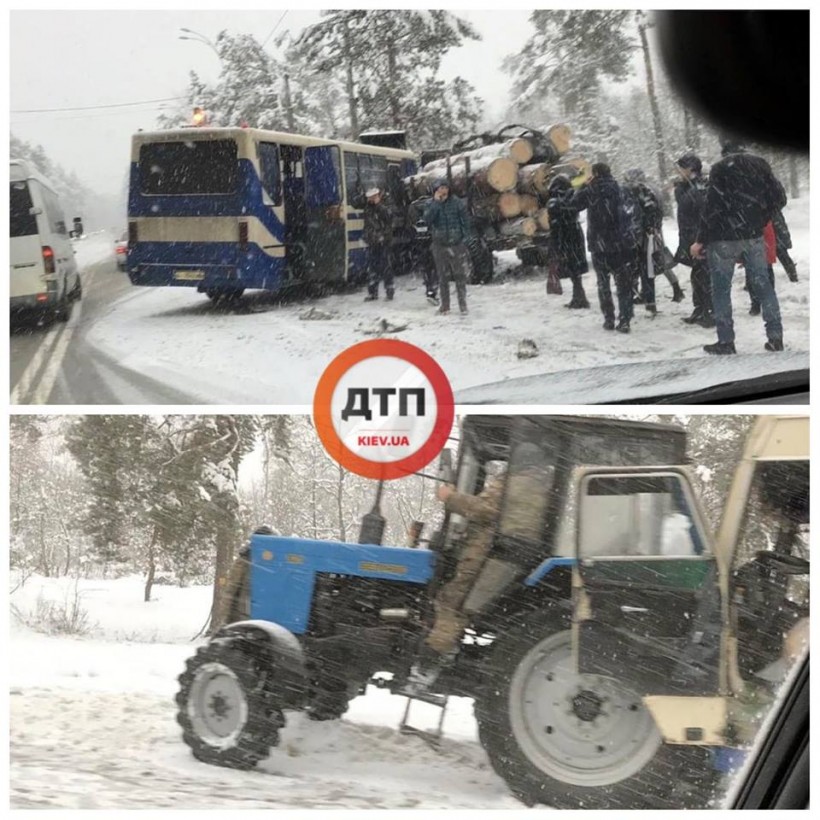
pixel 559 135
pixel 525 226
pixel 534 179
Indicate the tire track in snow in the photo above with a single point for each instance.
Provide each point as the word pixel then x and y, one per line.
pixel 81 749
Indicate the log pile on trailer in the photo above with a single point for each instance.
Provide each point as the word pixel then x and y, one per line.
pixel 504 178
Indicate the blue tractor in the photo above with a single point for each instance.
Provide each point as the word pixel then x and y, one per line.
pixel 609 594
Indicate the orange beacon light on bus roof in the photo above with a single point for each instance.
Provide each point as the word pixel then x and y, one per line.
pixel 199 118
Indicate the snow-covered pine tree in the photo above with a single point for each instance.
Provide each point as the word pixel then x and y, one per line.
pixel 249 88
pixel 318 106
pixel 46 497
pixel 107 450
pixel 568 58
pixel 388 62
pixel 214 448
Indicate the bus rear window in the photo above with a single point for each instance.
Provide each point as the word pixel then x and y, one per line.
pixel 22 223
pixel 195 167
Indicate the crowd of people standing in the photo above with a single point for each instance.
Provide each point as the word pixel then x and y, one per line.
pixel 731 217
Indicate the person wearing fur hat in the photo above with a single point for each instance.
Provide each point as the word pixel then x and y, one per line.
pixel 450 230
pixel 690 196
pixel 567 248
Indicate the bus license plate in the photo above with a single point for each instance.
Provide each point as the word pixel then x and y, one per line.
pixel 189 275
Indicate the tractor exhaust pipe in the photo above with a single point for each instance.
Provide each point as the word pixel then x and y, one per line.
pixel 373 523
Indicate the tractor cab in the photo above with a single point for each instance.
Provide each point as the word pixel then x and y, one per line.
pixel 701 637
pixel 540 457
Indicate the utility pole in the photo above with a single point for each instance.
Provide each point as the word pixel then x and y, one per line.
pixel 691 131
pixel 351 97
pixel 288 105
pixel 643 25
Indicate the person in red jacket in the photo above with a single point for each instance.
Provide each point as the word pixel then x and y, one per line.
pixel 770 243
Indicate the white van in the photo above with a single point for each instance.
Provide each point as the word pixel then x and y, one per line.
pixel 44 273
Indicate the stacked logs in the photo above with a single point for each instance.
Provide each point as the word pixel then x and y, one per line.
pixel 506 182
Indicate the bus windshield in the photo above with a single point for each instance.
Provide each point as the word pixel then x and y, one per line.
pixel 21 222
pixel 188 167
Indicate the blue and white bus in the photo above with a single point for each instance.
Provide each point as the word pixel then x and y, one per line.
pixel 225 209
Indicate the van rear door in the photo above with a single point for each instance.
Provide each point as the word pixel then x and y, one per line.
pixel 25 249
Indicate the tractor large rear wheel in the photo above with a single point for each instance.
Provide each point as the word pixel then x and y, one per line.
pixel 225 709
pixel 565 739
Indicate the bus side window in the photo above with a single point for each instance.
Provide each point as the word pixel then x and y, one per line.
pixel 377 173
pixel 352 180
pixel 395 187
pixel 269 165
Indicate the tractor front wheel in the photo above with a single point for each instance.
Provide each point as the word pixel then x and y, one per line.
pixel 225 709
pixel 566 739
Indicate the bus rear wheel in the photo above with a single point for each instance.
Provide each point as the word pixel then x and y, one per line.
pixel 224 294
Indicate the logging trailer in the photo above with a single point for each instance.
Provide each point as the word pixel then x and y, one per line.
pixel 504 178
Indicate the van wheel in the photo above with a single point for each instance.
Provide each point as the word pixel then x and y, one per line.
pixel 62 313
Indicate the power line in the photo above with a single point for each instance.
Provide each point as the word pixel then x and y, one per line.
pixel 87 116
pixel 273 30
pixel 92 107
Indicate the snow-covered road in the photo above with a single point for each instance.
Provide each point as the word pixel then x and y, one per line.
pixel 93 723
pixel 74 748
pixel 264 352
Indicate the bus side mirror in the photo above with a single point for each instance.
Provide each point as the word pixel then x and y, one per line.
pixel 78 226
pixel 445 466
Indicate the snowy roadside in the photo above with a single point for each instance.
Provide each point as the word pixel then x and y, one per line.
pixel 264 353
pixel 93 723
pixel 95 247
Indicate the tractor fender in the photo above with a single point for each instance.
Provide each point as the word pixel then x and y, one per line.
pixel 284 645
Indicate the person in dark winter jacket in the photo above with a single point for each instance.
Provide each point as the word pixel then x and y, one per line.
pixel 742 197
pixel 690 196
pixel 567 248
pixel 606 227
pixel 450 229
pixel 646 232
pixel 378 234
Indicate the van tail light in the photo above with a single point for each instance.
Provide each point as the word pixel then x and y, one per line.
pixel 132 234
pixel 48 259
pixel 243 235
